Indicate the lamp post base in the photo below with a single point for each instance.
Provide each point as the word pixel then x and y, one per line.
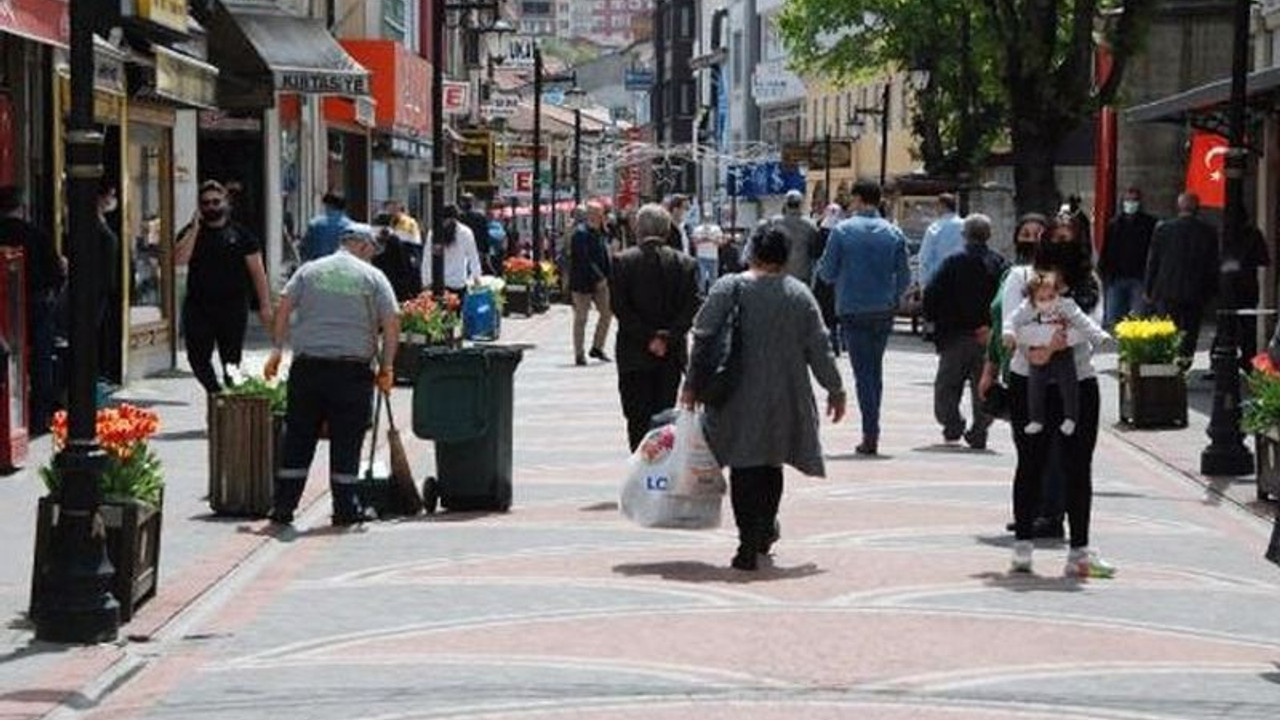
pixel 1226 461
pixel 76 604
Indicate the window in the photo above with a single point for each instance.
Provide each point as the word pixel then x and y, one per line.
pixel 393 19
pixel 146 223
pixel 739 66
pixel 686 22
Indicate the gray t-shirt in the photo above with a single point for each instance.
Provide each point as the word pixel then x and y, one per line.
pixel 340 300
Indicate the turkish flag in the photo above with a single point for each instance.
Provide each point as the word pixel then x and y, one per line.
pixel 1206 169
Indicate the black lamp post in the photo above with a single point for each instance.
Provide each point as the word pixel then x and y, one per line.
pixel 577 156
pixel 76 605
pixel 883 113
pixel 539 290
pixel 491 22
pixel 1226 454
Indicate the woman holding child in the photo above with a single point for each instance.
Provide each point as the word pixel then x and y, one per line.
pixel 1062 272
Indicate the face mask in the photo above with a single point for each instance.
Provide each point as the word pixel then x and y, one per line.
pixel 1131 207
pixel 110 206
pixel 1045 306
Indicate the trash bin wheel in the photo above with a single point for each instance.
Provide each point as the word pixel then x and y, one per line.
pixel 430 495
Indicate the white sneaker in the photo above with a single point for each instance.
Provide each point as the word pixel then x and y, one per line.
pixel 1068 427
pixel 1034 428
pixel 1021 556
pixel 1086 563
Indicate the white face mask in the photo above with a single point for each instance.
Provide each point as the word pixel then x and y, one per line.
pixel 1045 306
pixel 1131 207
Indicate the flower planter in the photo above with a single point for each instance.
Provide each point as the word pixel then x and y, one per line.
pixel 244 453
pixel 1267 449
pixel 519 299
pixel 133 546
pixel 1153 396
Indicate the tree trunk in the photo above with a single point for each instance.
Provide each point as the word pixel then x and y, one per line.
pixel 1034 181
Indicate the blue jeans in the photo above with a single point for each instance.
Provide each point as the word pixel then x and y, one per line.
pixel 1124 298
pixel 709 270
pixel 866 338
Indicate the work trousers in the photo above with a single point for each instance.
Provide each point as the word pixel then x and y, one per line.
pixel 646 393
pixel 336 392
pixel 1034 455
pixel 756 493
pixel 581 306
pixel 206 326
pixel 1187 317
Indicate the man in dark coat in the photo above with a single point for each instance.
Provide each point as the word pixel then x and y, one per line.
pixel 589 270
pixel 655 296
pixel 1182 271
pixel 1123 263
pixel 958 302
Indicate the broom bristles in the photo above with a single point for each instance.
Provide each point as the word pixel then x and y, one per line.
pixel 404 493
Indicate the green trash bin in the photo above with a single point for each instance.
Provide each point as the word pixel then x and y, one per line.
pixel 462 399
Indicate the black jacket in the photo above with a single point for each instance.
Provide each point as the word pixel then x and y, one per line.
pixel 589 263
pixel 958 298
pixel 654 291
pixel 1182 268
pixel 1125 248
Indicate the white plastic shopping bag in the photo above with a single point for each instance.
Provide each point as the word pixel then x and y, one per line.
pixel 697 472
pixel 647 496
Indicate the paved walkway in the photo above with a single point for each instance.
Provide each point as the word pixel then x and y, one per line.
pixel 888 597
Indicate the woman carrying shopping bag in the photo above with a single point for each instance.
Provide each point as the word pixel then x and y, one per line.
pixel 759 406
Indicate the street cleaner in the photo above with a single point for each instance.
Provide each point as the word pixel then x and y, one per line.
pixel 342 301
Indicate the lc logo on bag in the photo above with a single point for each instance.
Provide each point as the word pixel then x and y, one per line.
pixel 674 480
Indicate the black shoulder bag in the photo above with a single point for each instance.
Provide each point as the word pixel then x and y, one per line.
pixel 720 366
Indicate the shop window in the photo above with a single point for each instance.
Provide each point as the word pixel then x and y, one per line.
pixel 148 223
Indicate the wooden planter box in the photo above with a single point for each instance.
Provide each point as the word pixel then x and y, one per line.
pixel 133 546
pixel 1153 396
pixel 1267 450
pixel 244 453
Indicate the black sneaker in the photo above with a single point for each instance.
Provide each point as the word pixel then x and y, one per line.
pixel 598 354
pixel 580 361
pixel 975 441
pixel 350 519
pixel 745 560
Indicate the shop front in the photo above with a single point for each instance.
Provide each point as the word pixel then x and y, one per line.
pixel 400 149
pixel 269 135
pixel 29 32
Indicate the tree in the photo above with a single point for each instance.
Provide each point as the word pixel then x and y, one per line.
pixel 1021 67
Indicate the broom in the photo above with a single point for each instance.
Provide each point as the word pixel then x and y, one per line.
pixel 404 499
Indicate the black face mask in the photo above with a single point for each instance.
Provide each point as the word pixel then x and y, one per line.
pixel 213 215
pixel 1065 257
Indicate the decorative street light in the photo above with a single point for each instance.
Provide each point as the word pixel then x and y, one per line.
pixel 883 112
pixel 76 605
pixel 539 290
pixel 484 16
pixel 1226 454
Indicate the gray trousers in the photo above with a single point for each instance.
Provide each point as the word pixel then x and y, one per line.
pixel 960 360
pixel 582 303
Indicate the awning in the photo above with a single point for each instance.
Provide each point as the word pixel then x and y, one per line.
pixel 1205 106
pixel 262 53
pixel 172 77
pixel 44 21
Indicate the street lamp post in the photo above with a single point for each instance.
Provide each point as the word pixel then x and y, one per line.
pixel 826 169
pixel 883 112
pixel 76 605
pixel 577 156
pixel 1226 454
pixel 439 20
pixel 539 290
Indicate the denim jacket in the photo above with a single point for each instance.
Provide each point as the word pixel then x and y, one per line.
pixel 866 261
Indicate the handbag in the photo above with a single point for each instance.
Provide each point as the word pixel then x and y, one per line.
pixel 996 403
pixel 721 366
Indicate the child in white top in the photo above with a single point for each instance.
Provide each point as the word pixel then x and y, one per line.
pixel 1033 324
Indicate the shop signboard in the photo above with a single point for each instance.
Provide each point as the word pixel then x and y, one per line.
pixel 475 158
pixel 313 82
pixel 500 105
pixel 522 182
pixel 366 111
pixel 519 52
pixel 773 83
pixel 46 21
pixel 638 79
pixel 168 14
pixel 753 180
pixel 457 97
pixel 185 79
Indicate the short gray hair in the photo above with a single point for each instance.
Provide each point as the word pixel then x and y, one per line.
pixel 977 228
pixel 652 220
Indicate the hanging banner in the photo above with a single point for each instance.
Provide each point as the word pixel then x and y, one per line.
pixel 1206 169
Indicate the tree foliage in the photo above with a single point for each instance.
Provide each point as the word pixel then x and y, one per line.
pixel 1018 67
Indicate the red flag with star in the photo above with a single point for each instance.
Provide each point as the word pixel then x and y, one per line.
pixel 1206 169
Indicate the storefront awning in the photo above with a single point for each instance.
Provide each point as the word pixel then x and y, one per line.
pixel 44 21
pixel 262 53
pixel 172 77
pixel 1205 106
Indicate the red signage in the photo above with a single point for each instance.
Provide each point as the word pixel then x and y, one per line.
pixel 522 181
pixel 457 97
pixel 1206 169
pixel 401 84
pixel 46 21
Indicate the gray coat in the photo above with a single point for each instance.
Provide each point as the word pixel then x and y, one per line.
pixel 771 418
